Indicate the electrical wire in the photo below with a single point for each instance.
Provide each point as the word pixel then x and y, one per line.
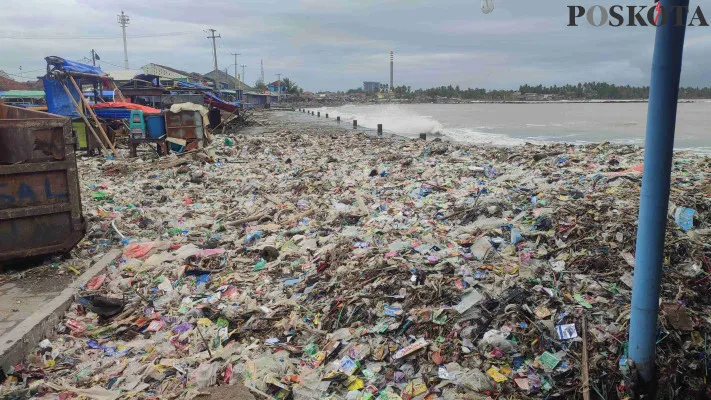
pixel 92 37
pixel 26 72
pixel 115 65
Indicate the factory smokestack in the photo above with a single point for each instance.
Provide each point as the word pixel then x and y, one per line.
pixel 392 60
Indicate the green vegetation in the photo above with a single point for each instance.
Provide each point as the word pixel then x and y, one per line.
pixel 291 86
pixel 259 85
pixel 581 91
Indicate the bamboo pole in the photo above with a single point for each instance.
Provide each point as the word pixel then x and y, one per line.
pixel 81 114
pixel 91 112
pixel 117 91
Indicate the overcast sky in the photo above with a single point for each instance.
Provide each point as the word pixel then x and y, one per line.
pixel 338 44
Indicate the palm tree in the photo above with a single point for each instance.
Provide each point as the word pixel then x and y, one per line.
pixel 287 84
pixel 291 86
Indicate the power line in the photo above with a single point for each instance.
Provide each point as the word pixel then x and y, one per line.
pixel 92 37
pixel 33 70
pixel 25 72
pixel 115 65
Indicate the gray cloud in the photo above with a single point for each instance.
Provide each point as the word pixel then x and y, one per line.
pixel 337 44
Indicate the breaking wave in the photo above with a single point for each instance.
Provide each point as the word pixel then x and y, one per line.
pixel 408 123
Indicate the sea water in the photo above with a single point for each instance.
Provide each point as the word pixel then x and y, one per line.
pixel 519 123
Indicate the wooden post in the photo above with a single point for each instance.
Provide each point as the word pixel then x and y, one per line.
pixel 91 111
pixel 338 119
pixel 319 114
pixel 423 136
pixel 585 372
pixel 380 129
pixel 326 115
pixel 355 124
pixel 81 114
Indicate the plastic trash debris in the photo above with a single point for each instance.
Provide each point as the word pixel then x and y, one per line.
pixel 684 218
pixel 566 332
pixel 466 269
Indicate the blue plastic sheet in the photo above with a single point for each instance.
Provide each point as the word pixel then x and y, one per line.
pixel 199 86
pixel 216 99
pixel 684 217
pixel 73 66
pixel 57 100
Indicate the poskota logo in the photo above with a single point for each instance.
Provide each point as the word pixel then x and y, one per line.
pixel 619 15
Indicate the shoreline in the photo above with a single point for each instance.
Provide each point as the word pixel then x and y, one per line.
pixel 372 132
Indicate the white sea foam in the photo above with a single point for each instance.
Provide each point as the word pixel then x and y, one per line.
pixel 507 125
pixel 395 119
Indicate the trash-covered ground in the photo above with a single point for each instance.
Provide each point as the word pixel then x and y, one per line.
pixel 312 262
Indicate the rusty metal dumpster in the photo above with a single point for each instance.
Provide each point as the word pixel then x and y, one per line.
pixel 40 206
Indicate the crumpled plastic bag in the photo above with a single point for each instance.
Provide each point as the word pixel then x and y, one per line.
pixel 139 250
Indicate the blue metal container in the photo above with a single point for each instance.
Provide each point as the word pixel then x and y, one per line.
pixel 155 125
pixel 113 113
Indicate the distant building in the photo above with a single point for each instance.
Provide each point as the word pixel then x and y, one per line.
pixel 260 99
pixel 169 75
pixel 277 86
pixel 122 76
pixel 532 96
pixel 371 87
pixel 9 84
pixel 384 88
pixel 226 81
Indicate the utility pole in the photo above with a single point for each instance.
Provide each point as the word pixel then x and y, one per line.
pixel 392 62
pixel 654 196
pixel 279 88
pixel 214 53
pixel 94 86
pixel 21 77
pixel 236 77
pixel 262 75
pixel 123 20
pixel 243 72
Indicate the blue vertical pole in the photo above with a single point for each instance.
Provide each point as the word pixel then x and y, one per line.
pixel 654 199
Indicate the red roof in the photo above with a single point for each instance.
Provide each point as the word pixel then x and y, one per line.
pixel 9 84
pixel 276 83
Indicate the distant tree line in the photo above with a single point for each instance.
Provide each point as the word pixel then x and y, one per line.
pixel 581 91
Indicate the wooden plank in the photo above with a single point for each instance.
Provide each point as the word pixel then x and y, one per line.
pixel 28 168
pixel 33 211
pixel 93 115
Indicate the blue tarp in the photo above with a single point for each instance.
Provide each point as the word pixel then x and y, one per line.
pixel 103 93
pixel 57 100
pixel 219 100
pixel 73 66
pixel 198 86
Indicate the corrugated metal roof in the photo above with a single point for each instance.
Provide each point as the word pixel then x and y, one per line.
pixel 25 94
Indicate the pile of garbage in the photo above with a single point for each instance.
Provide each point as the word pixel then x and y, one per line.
pixel 318 263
